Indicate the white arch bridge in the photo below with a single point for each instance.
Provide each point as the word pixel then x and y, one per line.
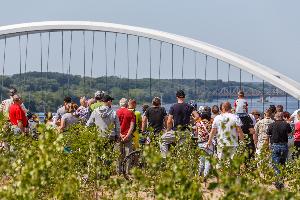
pixel 278 80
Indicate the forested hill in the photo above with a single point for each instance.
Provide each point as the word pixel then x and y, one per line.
pixel 45 91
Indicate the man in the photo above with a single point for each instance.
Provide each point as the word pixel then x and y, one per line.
pixel 17 115
pixel 155 117
pixel 241 104
pixel 62 110
pixel 261 128
pixel 278 133
pixel 5 105
pixel 180 114
pixel 178 120
pixel 106 119
pixel 227 126
pixel 127 121
pixel 98 98
pixel 138 122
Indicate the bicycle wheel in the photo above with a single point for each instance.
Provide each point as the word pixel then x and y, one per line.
pixel 132 160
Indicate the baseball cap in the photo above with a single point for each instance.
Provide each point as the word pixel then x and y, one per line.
pixel 107 98
pixel 180 94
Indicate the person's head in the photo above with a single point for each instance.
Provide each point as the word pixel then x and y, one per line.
pixel 268 113
pixel 107 100
pixel 123 102
pixel 99 95
pixel 71 107
pixel 278 116
pixel 205 115
pixel 180 95
pixel 145 107
pixel 256 114
pixel 215 110
pixel 17 99
pixel 83 101
pixel 298 114
pixel 12 92
pixel 226 107
pixel 67 100
pixel 48 117
pixel 286 115
pixel 279 108
pixel 156 101
pixel 273 108
pixel 241 94
pixel 132 104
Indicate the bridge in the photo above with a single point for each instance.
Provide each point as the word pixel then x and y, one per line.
pixel 144 51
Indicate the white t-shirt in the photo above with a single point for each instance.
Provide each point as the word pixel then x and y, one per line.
pixel 241 106
pixel 226 124
pixel 294 115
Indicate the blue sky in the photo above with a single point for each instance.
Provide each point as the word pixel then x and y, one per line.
pixel 266 31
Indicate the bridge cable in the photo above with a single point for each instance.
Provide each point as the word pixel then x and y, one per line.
pixel 62 59
pixel 205 79
pixel 83 32
pixel 20 63
pixel 217 81
pixel 228 81
pixel 195 81
pixel 3 66
pixel 92 62
pixel 150 65
pixel 286 101
pixel 105 46
pixel 137 61
pixel 127 48
pixel 263 95
pixel 43 93
pixel 25 66
pixel 252 92
pixel 241 80
pixel 70 58
pixel 172 66
pixel 115 55
pixel 159 66
pixel 183 53
pixel 47 64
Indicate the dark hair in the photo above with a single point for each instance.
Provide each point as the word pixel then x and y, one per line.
pixel 145 107
pixel 279 108
pixel 180 94
pixel 241 93
pixel 215 109
pixel 68 99
pixel 205 115
pixel 286 115
pixel 156 101
pixel 272 108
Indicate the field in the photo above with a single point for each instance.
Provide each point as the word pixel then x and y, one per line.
pixel 79 164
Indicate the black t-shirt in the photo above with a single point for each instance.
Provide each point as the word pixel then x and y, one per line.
pixel 247 124
pixel 279 131
pixel 155 116
pixel 181 114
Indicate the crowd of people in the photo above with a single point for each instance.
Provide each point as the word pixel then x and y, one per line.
pixel 219 130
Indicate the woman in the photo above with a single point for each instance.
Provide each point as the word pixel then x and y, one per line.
pixel 83 111
pixel 203 128
pixel 69 117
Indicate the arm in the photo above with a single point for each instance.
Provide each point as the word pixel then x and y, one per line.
pixel 144 123
pixel 254 135
pixel 117 126
pixel 62 125
pixel 125 138
pixel 20 125
pixel 240 133
pixel 170 122
pixel 195 115
pixel 91 120
pixel 211 136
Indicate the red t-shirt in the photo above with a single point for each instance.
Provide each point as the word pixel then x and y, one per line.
pixel 16 113
pixel 297 132
pixel 125 118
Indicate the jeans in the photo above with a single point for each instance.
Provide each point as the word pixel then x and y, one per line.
pixel 279 155
pixel 204 163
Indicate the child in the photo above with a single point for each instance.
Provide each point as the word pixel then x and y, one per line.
pixel 241 104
